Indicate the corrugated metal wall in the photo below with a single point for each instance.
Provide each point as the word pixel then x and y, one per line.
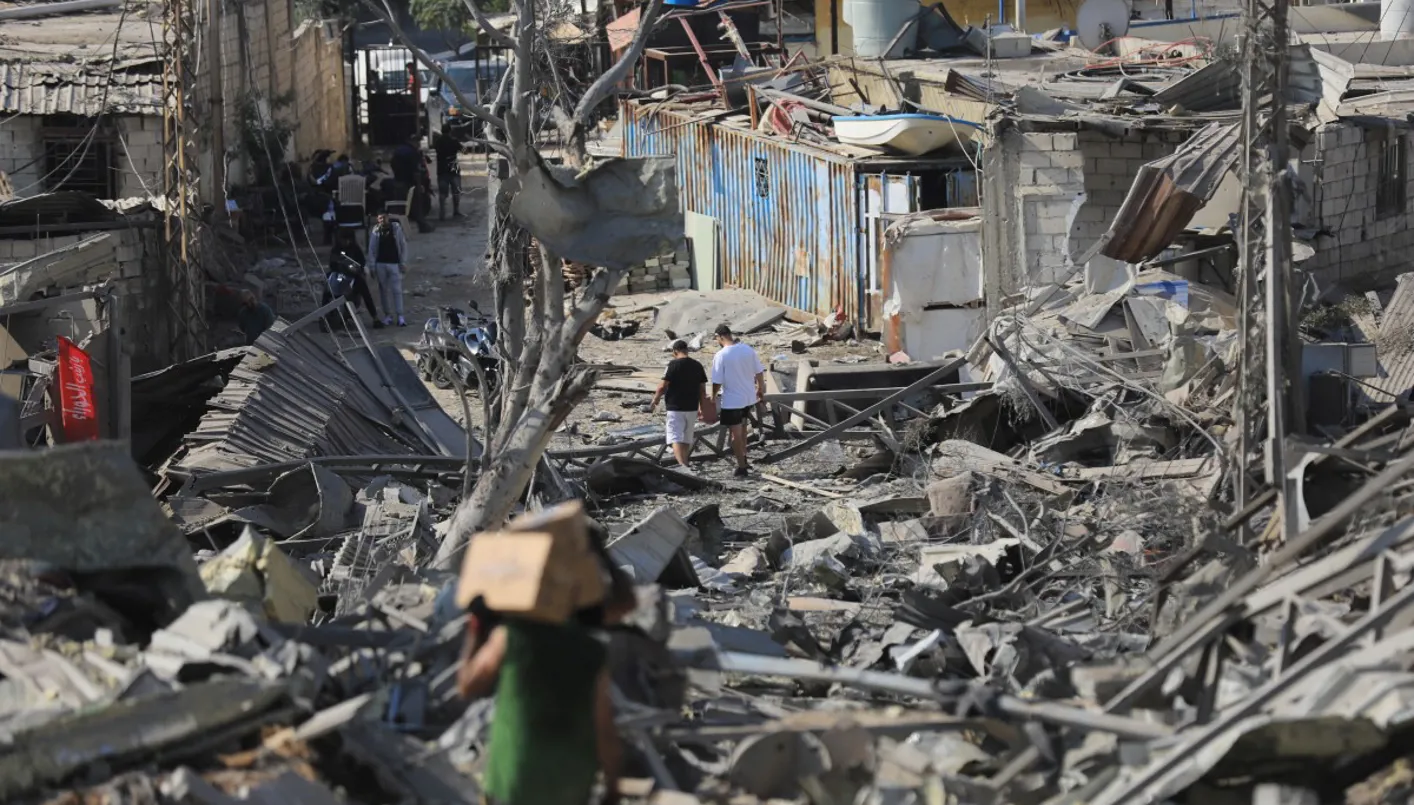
pixel 788 214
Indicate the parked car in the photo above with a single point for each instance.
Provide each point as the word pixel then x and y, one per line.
pixel 443 108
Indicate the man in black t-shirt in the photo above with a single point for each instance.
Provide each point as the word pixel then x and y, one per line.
pixel 684 390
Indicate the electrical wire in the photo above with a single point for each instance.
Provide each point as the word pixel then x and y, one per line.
pixel 284 213
pixel 88 139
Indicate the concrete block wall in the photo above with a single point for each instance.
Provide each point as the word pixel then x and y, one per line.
pixel 137 277
pixel 140 166
pixel 321 103
pixel 1052 170
pixel 22 154
pixel 670 271
pixel 1359 250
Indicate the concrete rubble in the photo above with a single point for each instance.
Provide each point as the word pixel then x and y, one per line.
pixel 1040 593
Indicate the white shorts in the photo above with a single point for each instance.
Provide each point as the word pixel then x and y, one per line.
pixel 680 425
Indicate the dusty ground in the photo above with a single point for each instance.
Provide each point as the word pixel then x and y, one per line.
pixel 447 267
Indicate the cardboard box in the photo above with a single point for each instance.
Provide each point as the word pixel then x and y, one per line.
pixel 541 567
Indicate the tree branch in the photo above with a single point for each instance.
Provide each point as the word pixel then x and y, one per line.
pixel 520 134
pixel 605 85
pixel 596 296
pixel 484 23
pixel 390 19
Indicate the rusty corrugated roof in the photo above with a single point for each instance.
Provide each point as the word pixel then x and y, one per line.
pixel 1395 343
pixel 47 88
pixel 1167 192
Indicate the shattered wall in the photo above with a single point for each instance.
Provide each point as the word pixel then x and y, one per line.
pixel 137 276
pixel 1360 247
pixel 1051 195
pixel 136 154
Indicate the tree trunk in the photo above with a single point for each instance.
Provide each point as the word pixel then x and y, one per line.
pixel 556 386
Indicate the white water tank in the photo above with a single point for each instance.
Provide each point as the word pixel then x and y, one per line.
pixel 877 22
pixel 1396 18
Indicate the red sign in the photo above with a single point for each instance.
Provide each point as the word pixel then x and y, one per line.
pixel 77 407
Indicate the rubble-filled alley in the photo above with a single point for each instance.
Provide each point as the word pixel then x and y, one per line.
pixel 868 403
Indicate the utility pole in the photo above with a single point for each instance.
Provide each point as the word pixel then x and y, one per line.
pixel 186 297
pixel 1266 324
pixel 216 107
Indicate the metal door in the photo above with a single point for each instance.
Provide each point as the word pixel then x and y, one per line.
pixel 880 195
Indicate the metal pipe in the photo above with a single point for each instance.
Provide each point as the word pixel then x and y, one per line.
pixel 50 9
pixel 901 685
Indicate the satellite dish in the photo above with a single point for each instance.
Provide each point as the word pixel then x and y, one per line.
pixel 1099 21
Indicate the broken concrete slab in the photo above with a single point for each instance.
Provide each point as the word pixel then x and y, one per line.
pixel 254 572
pixel 654 545
pixel 95 497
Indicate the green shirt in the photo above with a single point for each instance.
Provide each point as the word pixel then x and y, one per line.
pixel 543 748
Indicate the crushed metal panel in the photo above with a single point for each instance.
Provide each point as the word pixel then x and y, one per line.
pixel 450 437
pixel 1395 342
pixel 1168 192
pixel 1214 87
pixel 290 399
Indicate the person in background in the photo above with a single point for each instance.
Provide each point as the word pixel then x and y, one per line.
pixel 449 180
pixel 684 392
pixel 411 180
pixel 738 384
pixel 388 257
pixel 254 317
pixel 346 275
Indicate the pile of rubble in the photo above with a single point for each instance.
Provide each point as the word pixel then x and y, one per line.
pixel 1032 591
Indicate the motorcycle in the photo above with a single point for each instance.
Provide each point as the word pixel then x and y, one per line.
pixel 452 341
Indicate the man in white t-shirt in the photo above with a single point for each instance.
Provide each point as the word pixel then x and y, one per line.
pixel 738 383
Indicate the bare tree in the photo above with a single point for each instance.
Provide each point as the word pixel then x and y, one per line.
pixel 609 214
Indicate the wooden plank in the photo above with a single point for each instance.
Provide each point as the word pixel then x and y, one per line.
pixel 779 481
pixel 922 383
pixel 1141 470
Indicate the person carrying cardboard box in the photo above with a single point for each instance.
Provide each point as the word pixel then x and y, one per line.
pixel 543 584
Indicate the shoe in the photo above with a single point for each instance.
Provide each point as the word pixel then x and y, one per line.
pixel 387 321
pixel 377 325
pixel 457 215
pixel 684 469
pixel 402 322
pixel 741 472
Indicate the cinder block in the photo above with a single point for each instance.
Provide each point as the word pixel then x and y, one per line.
pixel 1060 178
pixel 1126 150
pixel 681 283
pixel 652 262
pixel 1031 160
pixel 1070 159
pixel 1036 141
pixel 1064 142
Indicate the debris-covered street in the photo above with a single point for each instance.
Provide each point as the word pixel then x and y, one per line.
pixel 740 403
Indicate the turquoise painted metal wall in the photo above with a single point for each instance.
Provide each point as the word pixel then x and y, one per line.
pixel 788 214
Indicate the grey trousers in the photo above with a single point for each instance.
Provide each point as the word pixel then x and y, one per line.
pixel 390 288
